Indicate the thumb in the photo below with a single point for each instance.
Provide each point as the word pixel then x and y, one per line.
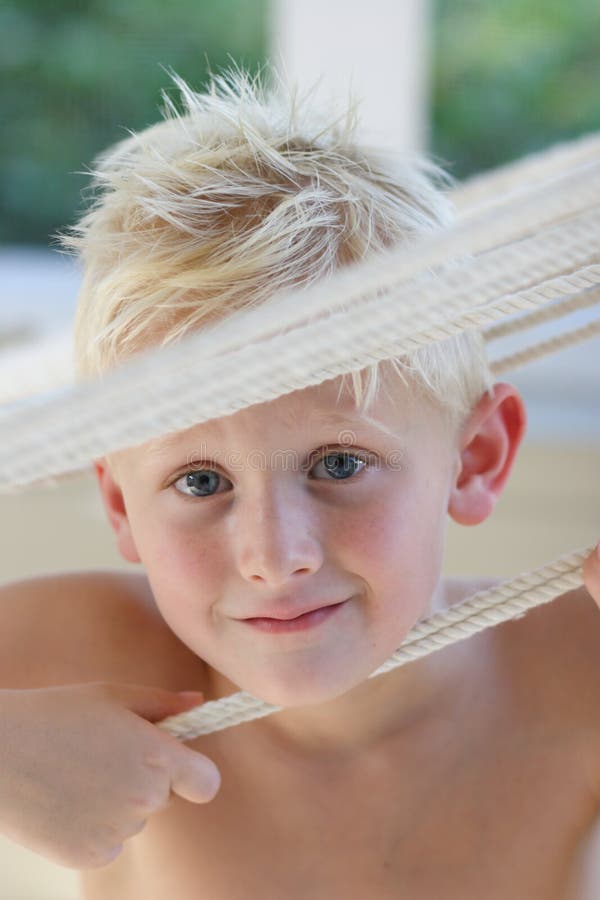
pixel 193 776
pixel 153 703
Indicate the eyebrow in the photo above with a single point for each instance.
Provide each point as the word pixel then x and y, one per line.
pixel 312 418
pixel 320 417
pixel 163 444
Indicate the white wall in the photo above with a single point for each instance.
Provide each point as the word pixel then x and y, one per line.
pixel 381 47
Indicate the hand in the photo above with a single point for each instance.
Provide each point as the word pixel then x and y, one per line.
pixel 82 768
pixel 591 574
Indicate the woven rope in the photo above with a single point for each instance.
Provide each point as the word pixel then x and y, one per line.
pixel 545 348
pixel 569 244
pixel 540 316
pixel 572 164
pixel 509 600
pixel 31 367
pixel 528 214
pixel 157 392
pixel 531 171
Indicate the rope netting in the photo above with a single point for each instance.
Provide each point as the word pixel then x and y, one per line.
pixel 524 250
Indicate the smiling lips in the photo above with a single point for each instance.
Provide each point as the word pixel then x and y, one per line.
pixel 297 622
pixel 286 614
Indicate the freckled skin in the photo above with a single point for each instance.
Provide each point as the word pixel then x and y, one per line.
pixel 266 531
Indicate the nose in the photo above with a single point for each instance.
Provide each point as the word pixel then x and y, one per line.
pixel 275 538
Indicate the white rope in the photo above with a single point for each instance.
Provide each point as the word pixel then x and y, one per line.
pixel 509 600
pixel 558 182
pixel 532 171
pixel 547 314
pixel 157 392
pixel 545 348
pixel 29 368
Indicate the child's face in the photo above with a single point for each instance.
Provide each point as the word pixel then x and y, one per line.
pixel 265 529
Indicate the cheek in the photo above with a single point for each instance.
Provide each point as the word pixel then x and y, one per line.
pixel 182 557
pixel 416 511
pixel 186 574
pixel 401 539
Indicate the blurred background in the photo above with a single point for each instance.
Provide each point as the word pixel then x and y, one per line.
pixel 476 83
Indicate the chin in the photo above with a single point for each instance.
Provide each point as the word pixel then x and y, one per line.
pixel 295 694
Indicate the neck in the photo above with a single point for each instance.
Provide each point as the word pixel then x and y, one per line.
pixel 367 716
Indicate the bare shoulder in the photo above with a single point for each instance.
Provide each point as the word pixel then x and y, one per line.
pixel 563 637
pixel 550 660
pixel 83 626
pixel 559 643
pixel 564 631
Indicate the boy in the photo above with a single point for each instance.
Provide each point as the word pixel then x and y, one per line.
pixel 287 550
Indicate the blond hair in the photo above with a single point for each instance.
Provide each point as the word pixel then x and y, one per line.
pixel 245 193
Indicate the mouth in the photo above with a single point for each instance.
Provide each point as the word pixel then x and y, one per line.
pixel 287 615
pixel 300 622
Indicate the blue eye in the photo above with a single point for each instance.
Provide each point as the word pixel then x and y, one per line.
pixel 341 465
pixel 198 483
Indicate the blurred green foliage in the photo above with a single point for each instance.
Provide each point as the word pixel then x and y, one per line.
pixel 509 77
pixel 76 74
pixel 512 77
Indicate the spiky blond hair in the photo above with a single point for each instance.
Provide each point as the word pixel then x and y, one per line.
pixel 246 192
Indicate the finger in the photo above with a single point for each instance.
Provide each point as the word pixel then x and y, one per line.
pixel 152 703
pixel 193 776
pixel 134 828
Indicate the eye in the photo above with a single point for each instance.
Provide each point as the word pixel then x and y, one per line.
pixel 341 465
pixel 198 483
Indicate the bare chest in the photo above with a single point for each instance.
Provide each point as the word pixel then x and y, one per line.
pixel 507 822
pixel 492 795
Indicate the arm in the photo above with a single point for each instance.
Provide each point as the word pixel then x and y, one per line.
pixel 81 765
pixel 60 629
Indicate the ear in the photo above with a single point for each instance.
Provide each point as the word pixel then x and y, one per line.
pixel 488 444
pixel 114 503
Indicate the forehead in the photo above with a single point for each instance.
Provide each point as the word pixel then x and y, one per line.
pixel 390 414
